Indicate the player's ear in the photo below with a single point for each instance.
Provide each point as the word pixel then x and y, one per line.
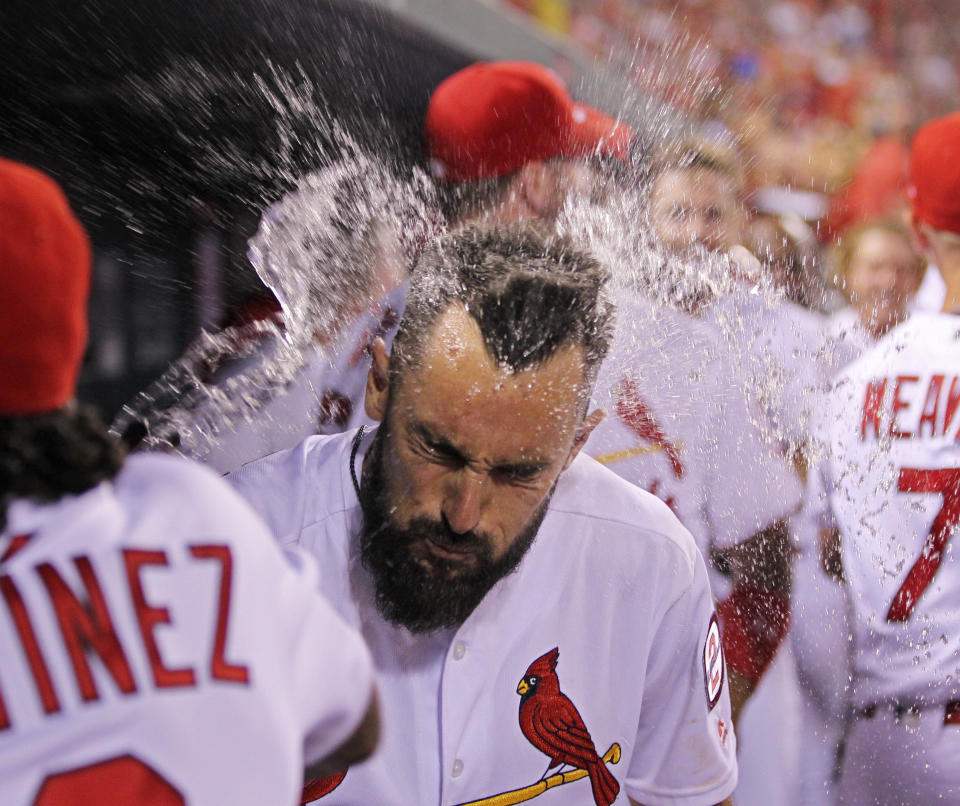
pixel 378 381
pixel 536 184
pixel 922 242
pixel 591 421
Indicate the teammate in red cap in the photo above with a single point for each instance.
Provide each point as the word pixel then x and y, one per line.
pixel 508 142
pixel 892 476
pixel 136 664
pixel 934 193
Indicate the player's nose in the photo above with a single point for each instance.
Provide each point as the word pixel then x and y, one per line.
pixel 464 501
pixel 700 231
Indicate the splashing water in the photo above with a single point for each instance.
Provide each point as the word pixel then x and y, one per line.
pixel 330 250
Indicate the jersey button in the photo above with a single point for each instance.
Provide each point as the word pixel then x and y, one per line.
pixel 459 650
pixel 457 768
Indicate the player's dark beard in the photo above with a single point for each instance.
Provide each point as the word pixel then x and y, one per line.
pixel 441 593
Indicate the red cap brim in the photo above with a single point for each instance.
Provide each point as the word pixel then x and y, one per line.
pixel 595 134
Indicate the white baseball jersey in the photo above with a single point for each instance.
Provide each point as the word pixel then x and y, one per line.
pixel 781 347
pixel 893 481
pixel 325 397
pixel 612 582
pixel 820 625
pixel 846 339
pixel 157 647
pixel 931 293
pixel 678 425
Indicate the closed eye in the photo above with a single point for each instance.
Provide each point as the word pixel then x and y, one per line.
pixel 436 449
pixel 519 473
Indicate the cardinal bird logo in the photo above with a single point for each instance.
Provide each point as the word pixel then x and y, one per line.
pixel 551 723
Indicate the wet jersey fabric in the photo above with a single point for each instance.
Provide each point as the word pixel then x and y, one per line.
pixel 612 600
pixel 846 339
pixel 157 647
pixel 683 423
pixel 780 348
pixel 893 482
pixel 678 425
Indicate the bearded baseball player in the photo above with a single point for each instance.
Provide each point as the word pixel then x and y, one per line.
pixel 507 143
pixel 893 484
pixel 541 628
pixel 156 647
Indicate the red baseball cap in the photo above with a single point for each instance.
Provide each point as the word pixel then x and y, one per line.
pixel 44 283
pixel 935 173
pixel 490 119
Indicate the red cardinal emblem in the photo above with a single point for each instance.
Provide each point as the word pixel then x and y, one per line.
pixel 636 415
pixel 552 724
pixel 318 787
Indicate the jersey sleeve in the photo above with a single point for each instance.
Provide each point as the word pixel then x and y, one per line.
pixel 330 668
pixel 750 486
pixel 685 748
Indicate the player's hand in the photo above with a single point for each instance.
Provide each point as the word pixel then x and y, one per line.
pixel 831 560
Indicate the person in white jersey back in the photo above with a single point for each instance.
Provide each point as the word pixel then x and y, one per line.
pixel 156 646
pixel 892 472
pixel 540 626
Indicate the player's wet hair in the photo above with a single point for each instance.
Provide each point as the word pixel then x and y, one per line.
pixel 530 294
pixel 44 457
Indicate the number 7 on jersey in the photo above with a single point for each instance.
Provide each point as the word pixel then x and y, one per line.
pixel 945 481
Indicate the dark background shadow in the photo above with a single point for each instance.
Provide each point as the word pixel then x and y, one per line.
pixel 155 119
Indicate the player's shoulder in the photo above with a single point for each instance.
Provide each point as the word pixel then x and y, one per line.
pixel 625 525
pixel 294 488
pixel 842 321
pixel 160 499
pixel 805 320
pixel 923 332
pixel 168 478
pixel 662 347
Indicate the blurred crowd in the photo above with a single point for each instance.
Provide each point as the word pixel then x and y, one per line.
pixel 811 88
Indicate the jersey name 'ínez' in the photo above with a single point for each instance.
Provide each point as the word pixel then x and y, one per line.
pixel 87 628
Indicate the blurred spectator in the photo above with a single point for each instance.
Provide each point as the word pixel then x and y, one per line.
pixel 824 92
pixel 877 269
